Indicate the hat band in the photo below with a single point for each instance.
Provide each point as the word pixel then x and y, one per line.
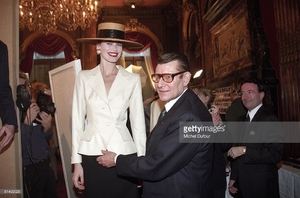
pixel 111 34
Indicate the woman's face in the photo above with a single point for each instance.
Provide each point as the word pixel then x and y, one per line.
pixel 202 97
pixel 110 51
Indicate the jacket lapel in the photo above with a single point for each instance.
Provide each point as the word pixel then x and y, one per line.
pixel 258 114
pixel 121 81
pixel 175 108
pixel 97 84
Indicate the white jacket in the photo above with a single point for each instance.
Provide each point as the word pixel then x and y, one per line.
pixel 99 119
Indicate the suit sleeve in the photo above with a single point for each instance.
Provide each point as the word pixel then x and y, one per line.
pixel 169 157
pixel 7 108
pixel 234 170
pixel 268 151
pixel 78 117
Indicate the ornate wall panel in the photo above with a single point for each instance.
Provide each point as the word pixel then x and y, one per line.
pixel 149 17
pixel 239 46
pixel 288 32
pixel 231 43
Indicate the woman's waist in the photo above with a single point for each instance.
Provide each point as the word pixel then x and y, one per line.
pixel 102 125
pixel 91 148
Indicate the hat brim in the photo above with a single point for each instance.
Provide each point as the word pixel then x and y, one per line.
pixel 125 43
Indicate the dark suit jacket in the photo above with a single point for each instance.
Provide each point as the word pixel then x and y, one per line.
pixel 256 172
pixel 232 115
pixel 7 108
pixel 171 168
pixel 219 165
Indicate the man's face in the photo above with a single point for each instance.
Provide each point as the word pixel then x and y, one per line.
pixel 250 96
pixel 169 91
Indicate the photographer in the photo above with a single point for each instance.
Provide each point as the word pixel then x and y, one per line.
pixel 37 130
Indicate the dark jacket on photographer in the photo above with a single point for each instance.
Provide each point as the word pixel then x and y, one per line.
pixel 36 135
pixel 35 147
pixel 36 131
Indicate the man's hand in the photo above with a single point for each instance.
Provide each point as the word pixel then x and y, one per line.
pixel 236 151
pixel 231 188
pixel 8 131
pixel 107 159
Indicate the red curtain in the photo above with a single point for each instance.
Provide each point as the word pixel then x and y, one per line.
pixel 146 41
pixel 46 45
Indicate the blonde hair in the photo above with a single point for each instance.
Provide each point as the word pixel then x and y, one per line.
pixel 204 91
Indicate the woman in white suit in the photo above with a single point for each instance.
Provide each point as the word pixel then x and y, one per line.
pixel 102 98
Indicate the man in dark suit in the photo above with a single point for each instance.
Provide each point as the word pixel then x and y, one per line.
pixel 7 108
pixel 171 168
pixel 254 170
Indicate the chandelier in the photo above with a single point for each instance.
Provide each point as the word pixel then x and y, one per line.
pixel 46 16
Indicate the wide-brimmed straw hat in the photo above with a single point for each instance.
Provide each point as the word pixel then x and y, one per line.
pixel 111 32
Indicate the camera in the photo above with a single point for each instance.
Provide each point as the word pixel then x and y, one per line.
pixel 43 100
pixel 45 103
pixel 23 98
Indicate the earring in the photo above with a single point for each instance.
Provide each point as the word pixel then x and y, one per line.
pixel 98 49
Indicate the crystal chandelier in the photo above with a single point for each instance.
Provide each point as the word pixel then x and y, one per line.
pixel 46 15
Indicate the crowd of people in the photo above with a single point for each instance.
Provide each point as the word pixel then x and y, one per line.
pixel 112 160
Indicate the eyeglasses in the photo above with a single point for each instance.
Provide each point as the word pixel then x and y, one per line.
pixel 168 78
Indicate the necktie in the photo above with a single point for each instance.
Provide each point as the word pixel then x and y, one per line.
pixel 245 127
pixel 162 114
pixel 247 118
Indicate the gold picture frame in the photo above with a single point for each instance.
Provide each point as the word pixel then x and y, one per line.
pixel 231 43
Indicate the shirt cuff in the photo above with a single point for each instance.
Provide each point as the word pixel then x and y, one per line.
pixel 116 158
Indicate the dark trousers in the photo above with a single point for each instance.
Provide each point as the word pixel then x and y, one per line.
pixel 101 182
pixel 249 191
pixel 39 181
pixel 219 193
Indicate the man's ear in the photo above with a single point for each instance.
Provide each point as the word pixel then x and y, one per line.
pixel 186 78
pixel 261 95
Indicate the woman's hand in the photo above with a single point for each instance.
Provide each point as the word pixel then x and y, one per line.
pixel 77 178
pixel 215 114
